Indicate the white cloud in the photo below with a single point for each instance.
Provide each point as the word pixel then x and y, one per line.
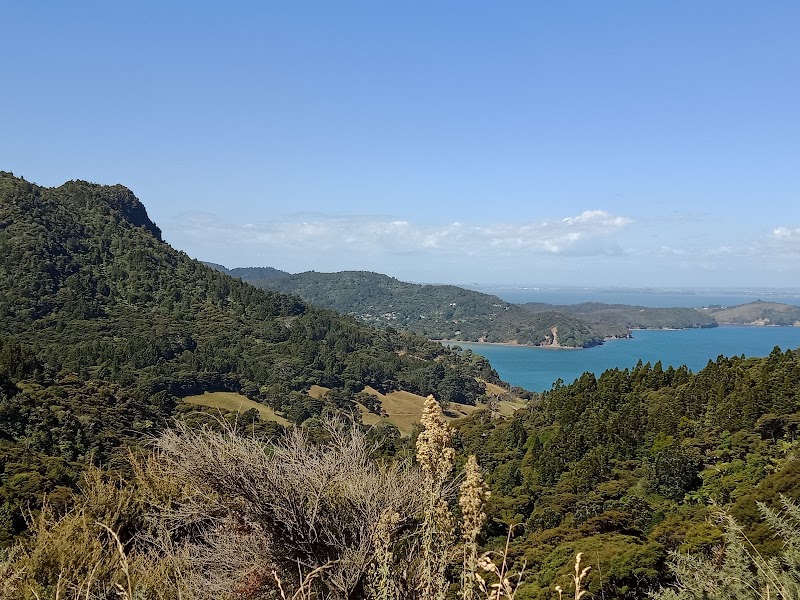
pixel 597 217
pixel 593 247
pixel 783 243
pixel 592 233
pixel 670 251
pixel 786 233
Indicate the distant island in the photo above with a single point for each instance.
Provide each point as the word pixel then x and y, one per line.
pixel 448 312
pixel 756 313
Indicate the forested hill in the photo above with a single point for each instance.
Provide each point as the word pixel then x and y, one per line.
pixel 630 317
pixel 88 285
pixel 625 467
pixel 757 313
pixel 435 311
pixel 646 317
pixel 252 275
pixel 104 327
pixel 450 312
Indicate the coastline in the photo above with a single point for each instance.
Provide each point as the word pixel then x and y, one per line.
pixel 515 344
pixel 508 344
pixel 693 347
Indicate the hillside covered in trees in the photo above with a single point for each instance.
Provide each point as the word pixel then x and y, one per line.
pixel 757 313
pixel 454 313
pixel 645 317
pixel 627 317
pixel 104 328
pixel 627 468
pixel 441 312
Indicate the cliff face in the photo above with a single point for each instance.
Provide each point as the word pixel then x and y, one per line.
pixel 130 208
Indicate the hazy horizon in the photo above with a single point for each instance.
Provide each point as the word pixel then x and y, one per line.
pixel 535 286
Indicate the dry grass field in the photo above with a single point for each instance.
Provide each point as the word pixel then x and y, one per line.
pixel 405 409
pixel 235 402
pixel 317 391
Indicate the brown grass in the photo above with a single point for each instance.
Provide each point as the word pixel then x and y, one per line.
pixel 235 403
pixel 317 391
pixel 405 409
pixel 494 389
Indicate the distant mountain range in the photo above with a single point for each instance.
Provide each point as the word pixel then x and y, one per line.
pixel 446 312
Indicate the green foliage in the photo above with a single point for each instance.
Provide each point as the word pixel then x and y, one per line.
pixel 435 311
pixel 104 327
pixel 737 570
pixel 625 465
pixel 622 317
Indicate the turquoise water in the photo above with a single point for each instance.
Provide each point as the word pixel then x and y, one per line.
pixel 536 369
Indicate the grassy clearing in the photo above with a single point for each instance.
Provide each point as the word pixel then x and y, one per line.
pixel 507 408
pixel 236 403
pixel 317 391
pixel 494 389
pixel 405 409
pixel 510 403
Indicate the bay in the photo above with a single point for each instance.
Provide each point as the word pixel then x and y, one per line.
pixel 536 369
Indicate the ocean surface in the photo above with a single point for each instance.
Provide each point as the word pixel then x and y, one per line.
pixel 536 369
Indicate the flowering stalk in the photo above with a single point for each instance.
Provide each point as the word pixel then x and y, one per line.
pixel 473 495
pixel 435 457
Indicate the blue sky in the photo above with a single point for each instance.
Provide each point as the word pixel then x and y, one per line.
pixel 568 143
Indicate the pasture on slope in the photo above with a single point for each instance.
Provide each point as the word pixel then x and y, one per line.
pixel 404 409
pixel 233 402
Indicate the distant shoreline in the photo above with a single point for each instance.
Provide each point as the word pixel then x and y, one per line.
pixel 509 344
pixel 607 339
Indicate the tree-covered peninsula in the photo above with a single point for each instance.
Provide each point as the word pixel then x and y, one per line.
pixel 448 312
